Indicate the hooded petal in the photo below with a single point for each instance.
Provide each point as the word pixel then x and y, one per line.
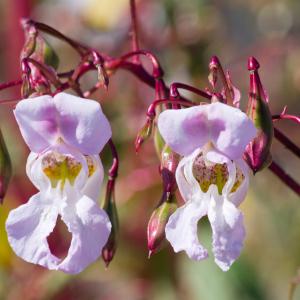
pixel 181 229
pixel 184 130
pixel 82 123
pixel 79 122
pixel 230 129
pixel 36 118
pixel 90 228
pixel 28 227
pixel 227 229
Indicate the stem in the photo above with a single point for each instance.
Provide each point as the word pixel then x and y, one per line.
pixel 151 110
pixel 178 85
pixel 157 70
pixel 113 171
pixel 134 29
pixel 285 178
pixel 286 117
pixel 9 84
pixel 286 142
pixel 80 48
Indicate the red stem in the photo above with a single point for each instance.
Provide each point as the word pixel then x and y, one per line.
pixel 286 117
pixel 134 29
pixel 287 179
pixel 9 84
pixel 151 110
pixel 178 85
pixel 113 171
pixel 286 142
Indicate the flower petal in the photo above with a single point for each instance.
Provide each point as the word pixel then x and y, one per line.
pixel 36 118
pixel 93 185
pixel 184 130
pixel 239 195
pixel 82 123
pixel 181 229
pixel 79 122
pixel 228 230
pixel 28 227
pixel 90 228
pixel 231 130
pixel 187 184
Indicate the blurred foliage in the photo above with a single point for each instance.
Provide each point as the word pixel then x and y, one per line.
pixel 183 34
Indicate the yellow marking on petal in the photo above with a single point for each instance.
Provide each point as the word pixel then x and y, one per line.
pixel 207 173
pixel 91 165
pixel 59 168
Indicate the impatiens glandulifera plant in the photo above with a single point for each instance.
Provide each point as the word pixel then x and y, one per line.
pixel 206 149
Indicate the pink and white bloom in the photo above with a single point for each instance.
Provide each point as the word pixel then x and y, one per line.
pixel 65 134
pixel 212 177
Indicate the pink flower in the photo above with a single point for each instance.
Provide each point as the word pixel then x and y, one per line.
pixel 212 177
pixel 65 134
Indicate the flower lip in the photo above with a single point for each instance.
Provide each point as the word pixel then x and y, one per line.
pixel 79 122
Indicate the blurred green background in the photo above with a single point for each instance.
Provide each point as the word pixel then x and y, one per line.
pixel 184 35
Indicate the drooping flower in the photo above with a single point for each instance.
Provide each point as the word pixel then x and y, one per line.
pixel 65 134
pixel 211 176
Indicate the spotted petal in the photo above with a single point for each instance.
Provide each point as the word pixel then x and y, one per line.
pixel 79 122
pixel 181 229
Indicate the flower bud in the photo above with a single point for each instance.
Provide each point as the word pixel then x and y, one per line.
pixel 157 224
pixel 109 206
pixel 143 134
pixel 257 153
pixel 169 163
pixel 5 168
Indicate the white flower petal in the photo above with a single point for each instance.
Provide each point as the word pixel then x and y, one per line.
pixel 181 229
pixel 93 185
pixel 187 184
pixel 28 227
pixel 228 230
pixel 184 130
pixel 79 122
pixel 239 195
pixel 90 228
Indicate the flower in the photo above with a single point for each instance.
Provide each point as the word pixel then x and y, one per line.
pixel 65 134
pixel 212 177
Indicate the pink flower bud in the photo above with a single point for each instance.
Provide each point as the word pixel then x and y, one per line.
pixel 143 134
pixel 257 153
pixel 157 224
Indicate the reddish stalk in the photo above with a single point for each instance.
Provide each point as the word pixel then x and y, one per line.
pixel 6 85
pixel 282 138
pixel 134 30
pixel 178 85
pixel 284 177
pixel 286 117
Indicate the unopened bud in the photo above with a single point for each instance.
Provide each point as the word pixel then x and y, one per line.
pixel 168 166
pixel 157 224
pixel 144 134
pixel 109 206
pixel 5 168
pixel 257 153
